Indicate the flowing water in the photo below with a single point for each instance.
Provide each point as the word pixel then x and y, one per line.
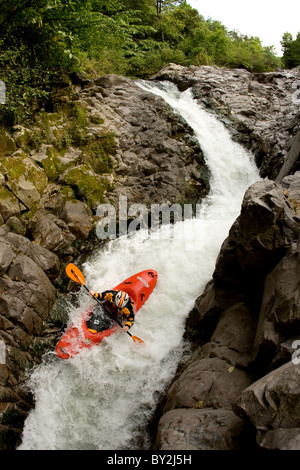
pixel 104 397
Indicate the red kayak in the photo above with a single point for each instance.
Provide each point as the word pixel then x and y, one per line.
pixel 75 339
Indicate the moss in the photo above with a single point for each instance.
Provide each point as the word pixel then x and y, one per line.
pixel 7 144
pixel 9 204
pixel 79 113
pixel 97 120
pixel 99 151
pixel 87 185
pixel 21 166
pixel 51 167
pixel 68 193
pixel 62 129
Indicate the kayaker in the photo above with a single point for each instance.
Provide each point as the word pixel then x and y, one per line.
pixel 119 303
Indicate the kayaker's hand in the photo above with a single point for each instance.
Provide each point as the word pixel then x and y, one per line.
pixel 92 293
pixel 125 328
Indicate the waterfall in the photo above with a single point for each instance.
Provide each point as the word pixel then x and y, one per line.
pixel 104 397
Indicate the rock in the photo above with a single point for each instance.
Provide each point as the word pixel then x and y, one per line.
pixel 196 429
pixel 280 308
pixel 7 143
pixel 55 162
pixel 234 334
pixel 207 382
pixel 86 184
pixel 9 204
pixel 22 136
pixel 108 81
pixel 266 227
pixel 154 148
pixel 272 406
pixel 6 256
pixel 280 439
pixel 46 260
pixel 290 159
pixel 257 241
pixel 291 190
pixel 16 225
pixel 51 232
pixel 75 214
pixel 25 270
pixel 26 297
pixel 25 179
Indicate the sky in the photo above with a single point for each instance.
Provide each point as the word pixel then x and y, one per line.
pixel 267 19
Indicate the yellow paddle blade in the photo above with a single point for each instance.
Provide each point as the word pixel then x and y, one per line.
pixel 75 274
pixel 137 340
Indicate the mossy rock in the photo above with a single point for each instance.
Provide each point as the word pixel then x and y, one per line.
pixel 87 185
pixel 54 163
pixel 98 152
pixel 25 138
pixel 24 178
pixel 7 143
pixel 9 204
pixel 51 167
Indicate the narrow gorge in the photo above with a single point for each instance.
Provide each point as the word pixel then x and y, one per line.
pixel 112 137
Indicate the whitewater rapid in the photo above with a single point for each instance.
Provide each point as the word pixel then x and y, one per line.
pixel 104 397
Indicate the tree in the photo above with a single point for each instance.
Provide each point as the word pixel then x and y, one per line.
pixel 291 50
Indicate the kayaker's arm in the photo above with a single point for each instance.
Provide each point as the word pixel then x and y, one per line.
pixel 128 313
pixel 106 295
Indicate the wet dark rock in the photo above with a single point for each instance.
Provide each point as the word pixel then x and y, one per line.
pixel 250 364
pixel 197 429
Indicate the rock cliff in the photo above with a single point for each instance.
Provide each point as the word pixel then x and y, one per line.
pixel 243 378
pixel 107 138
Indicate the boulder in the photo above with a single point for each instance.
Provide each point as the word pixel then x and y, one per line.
pixel 207 382
pixel 32 280
pixel 272 404
pixel 50 232
pixel 7 143
pixel 44 258
pixel 25 179
pixel 280 308
pixel 260 237
pixel 197 429
pixel 9 204
pixel 77 215
pixel 6 256
pixel 26 295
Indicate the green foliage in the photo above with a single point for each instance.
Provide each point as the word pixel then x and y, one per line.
pixel 42 41
pixel 291 50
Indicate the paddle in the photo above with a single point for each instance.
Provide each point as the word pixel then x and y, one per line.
pixel 76 275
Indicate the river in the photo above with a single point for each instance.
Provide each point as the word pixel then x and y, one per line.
pixel 104 398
